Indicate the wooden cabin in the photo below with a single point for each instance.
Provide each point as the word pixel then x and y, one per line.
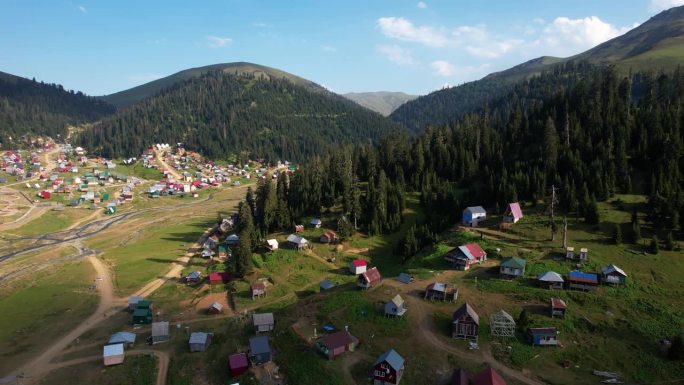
pixel 543 336
pixel 550 280
pixel 557 307
pixel 464 256
pixel 370 278
pixel 388 368
pixel 465 323
pixel 578 280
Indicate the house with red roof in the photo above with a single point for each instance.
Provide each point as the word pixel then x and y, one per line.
pixel 336 344
pixel 219 278
pixel 513 213
pixel 358 266
pixel 371 278
pixel 466 255
pixel 488 377
pixel 238 364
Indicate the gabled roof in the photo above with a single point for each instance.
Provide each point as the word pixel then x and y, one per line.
pixel 160 328
pixel 397 301
pixel 514 210
pixel 488 377
pixel 272 242
pixel 259 345
pixel 262 319
pixel 466 309
pixel 199 338
pixel 194 275
pixel 476 210
pixel 475 250
pixel 392 358
pixel 216 277
pixel 613 269
pixel 258 286
pixel 372 275
pixel 238 360
pixel 296 239
pixel 550 276
pixel 359 263
pixel 514 262
pixel 404 278
pixel 330 234
pixel 122 337
pixel 113 350
pixel 437 286
pixel 338 339
pixel 315 221
pixel 558 303
pixel 327 284
pixel 502 313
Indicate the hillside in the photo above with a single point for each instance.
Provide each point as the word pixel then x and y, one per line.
pixel 30 107
pixel 225 115
pixel 136 94
pixel 657 44
pixel 382 102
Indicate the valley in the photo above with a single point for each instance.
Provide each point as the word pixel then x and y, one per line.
pixel 237 223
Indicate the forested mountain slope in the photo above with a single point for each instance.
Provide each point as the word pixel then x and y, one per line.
pixel 30 107
pixel 656 45
pixel 226 115
pixel 136 94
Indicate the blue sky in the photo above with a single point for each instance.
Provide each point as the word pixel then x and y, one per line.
pixel 100 47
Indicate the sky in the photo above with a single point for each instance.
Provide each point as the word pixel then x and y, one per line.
pixel 101 47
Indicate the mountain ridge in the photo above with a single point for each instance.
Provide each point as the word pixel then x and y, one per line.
pixel 135 94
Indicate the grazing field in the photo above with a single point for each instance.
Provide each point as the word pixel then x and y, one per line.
pixel 42 305
pixel 135 370
pixel 52 221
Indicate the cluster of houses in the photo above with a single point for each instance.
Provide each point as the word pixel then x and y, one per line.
pixel 14 164
pixel 474 215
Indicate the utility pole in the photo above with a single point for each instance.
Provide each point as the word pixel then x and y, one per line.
pixel 565 232
pixel 552 206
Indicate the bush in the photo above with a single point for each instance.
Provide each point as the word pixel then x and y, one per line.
pixel 654 248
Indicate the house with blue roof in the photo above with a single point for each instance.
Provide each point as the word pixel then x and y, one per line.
pixel 388 368
pixel 578 280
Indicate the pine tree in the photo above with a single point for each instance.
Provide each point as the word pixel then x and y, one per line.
pixel 591 215
pixel 617 234
pixel 654 248
pixel 676 351
pixel 523 321
pixel 344 228
pixel 669 241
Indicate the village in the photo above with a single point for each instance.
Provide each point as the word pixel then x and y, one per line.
pixel 251 325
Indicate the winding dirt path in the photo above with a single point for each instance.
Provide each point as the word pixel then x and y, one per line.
pixel 425 326
pixel 162 362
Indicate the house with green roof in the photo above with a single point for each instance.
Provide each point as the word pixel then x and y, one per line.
pixel 512 267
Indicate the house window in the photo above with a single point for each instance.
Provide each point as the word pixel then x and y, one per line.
pixel 379 373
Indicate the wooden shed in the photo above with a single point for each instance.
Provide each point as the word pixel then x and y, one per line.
pixel 199 341
pixel 238 364
pixel 550 280
pixel 335 344
pixel 513 213
pixel 473 215
pixel 160 332
pixel 263 322
pixel 465 323
pixel 441 292
pixel 543 336
pixel 613 275
pixel 370 278
pixel 557 307
pixel 388 368
pixel 258 290
pixel 512 267
pixel 396 307
pixel 113 354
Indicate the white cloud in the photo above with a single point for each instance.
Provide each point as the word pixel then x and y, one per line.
pixel 82 9
pixel 479 42
pixel 421 5
pixel 661 5
pixel 259 24
pixel 218 42
pixel 397 55
pixel 443 68
pixel 402 29
pixel 328 48
pixel 565 36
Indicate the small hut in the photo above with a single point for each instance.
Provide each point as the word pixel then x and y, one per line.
pixel 113 354
pixel 570 253
pixel 502 324
pixel 550 280
pixel 613 275
pixel 263 322
pixel 370 278
pixel 395 307
pixel 215 308
pixel 584 254
pixel 543 336
pixel 512 267
pixel 557 307
pixel 440 291
pixel 199 341
pixel 465 323
pixel 258 290
pixel 160 332
pixel 238 364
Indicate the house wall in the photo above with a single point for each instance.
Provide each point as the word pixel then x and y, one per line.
pixel 384 374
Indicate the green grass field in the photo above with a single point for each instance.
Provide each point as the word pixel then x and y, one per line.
pixel 48 304
pixel 135 370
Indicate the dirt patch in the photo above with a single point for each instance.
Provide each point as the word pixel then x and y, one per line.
pixel 223 298
pixel 354 250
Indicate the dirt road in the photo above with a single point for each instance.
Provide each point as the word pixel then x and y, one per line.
pixel 421 318
pixel 164 165
pixel 37 367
